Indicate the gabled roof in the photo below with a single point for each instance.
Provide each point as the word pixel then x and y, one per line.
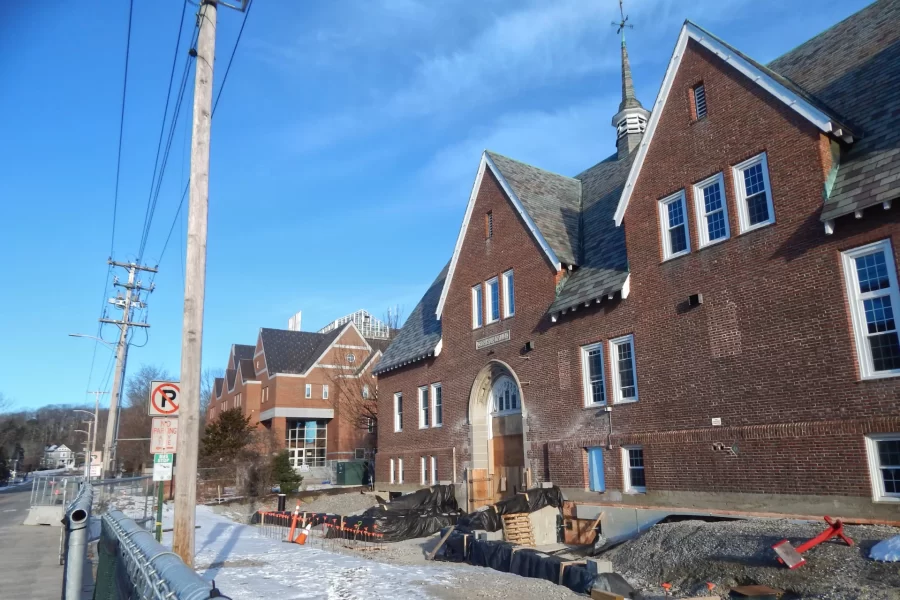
pixel 420 336
pixel 604 267
pixel 219 384
pixel 780 87
pixel 547 203
pixel 239 352
pixel 230 377
pixel 294 352
pixel 247 370
pixel 854 67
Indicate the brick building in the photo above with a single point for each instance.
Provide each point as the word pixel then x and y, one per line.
pixel 291 383
pixel 703 319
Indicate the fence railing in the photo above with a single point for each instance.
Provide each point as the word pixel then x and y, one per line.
pixel 76 532
pixel 133 496
pixel 54 490
pixel 134 565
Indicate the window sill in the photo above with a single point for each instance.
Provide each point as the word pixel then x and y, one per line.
pixel 753 228
pixel 887 500
pixel 506 413
pixel 492 322
pixel 424 427
pixel 675 256
pixel 714 243
pixel 596 406
pixel 505 317
pixel 877 376
pixel 625 401
pixel 438 426
pixel 636 491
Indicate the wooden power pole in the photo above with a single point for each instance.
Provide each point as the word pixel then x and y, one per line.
pixel 188 445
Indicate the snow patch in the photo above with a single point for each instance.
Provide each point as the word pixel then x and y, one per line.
pixel 886 550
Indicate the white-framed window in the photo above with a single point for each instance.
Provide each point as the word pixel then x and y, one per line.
pixel 325 391
pixel 399 470
pixel 265 395
pixel 493 300
pixel 883 452
pixel 676 241
pixel 592 374
pixel 237 400
pixel 424 469
pixel 434 477
pixel 370 425
pixel 365 391
pixel 424 408
pixel 437 397
pixel 308 393
pixel 393 472
pixel 753 193
pixel 871 279
pixel 505 396
pixel 477 307
pixel 699 92
pixel 633 469
pixel 398 411
pixel 624 369
pixel 509 295
pixel 711 210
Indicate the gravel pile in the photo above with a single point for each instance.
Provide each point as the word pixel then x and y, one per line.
pixel 340 504
pixel 689 554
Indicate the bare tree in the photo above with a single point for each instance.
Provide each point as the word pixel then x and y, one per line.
pixel 207 384
pixel 134 420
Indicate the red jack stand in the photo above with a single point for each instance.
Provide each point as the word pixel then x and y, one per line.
pixel 790 556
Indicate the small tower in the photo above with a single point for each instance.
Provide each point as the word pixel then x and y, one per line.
pixel 631 120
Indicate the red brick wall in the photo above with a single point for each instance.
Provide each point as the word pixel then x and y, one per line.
pixel 770 351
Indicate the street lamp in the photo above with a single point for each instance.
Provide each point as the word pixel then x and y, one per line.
pixel 112 347
pixel 87 453
pixel 95 338
pixel 92 437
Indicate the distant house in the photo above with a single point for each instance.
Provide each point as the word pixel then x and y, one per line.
pixel 58 457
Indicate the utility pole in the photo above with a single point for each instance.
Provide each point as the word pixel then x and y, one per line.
pixel 96 417
pixel 195 286
pixel 132 298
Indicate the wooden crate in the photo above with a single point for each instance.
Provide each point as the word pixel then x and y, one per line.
pixel 517 529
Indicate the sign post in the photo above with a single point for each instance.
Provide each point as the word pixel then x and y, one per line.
pixel 163 407
pixel 162 472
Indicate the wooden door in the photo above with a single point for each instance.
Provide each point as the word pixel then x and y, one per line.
pixel 480 489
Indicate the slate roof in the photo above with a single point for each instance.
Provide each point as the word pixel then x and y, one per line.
pixel 420 334
pixel 242 351
pixel 248 371
pixel 219 382
pixel 295 351
pixel 604 267
pixel 230 377
pixel 854 68
pixel 552 201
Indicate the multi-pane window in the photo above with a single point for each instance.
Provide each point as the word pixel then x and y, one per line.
pixel 884 466
pixel 592 373
pixel 308 392
pixel 370 425
pixel 873 295
pixel 434 471
pixel 437 396
pixel 712 212
pixel 365 391
pixel 399 470
pixel 424 408
pixel 398 412
pixel 505 394
pixel 306 442
pixel 325 392
pixel 477 306
pixel 493 298
pixel 699 101
pixel 673 220
pixel 624 371
pixel 509 295
pixel 633 469
pixel 237 400
pixel 754 195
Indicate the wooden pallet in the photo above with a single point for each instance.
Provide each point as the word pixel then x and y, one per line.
pixel 517 529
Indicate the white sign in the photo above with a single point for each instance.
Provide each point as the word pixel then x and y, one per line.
pixel 162 467
pixel 164 399
pixel 163 435
pixel 96 459
pixel 490 340
pixel 96 470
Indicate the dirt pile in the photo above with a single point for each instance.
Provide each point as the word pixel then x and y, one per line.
pixel 689 554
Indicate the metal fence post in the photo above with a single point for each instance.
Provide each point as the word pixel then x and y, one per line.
pixel 77 523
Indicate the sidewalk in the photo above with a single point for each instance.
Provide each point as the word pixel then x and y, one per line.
pixel 29 562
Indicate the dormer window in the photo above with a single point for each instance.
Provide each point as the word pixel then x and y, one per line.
pixel 698 95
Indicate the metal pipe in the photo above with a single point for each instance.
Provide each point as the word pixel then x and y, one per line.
pixel 77 521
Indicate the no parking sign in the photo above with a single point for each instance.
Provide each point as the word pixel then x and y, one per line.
pixel 164 399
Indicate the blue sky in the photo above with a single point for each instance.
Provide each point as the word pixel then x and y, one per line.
pixel 343 152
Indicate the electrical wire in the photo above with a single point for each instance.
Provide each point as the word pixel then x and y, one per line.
pixel 112 242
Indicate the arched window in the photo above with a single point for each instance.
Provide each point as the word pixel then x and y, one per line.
pixel 505 396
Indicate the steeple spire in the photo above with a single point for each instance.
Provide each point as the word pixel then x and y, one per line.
pixel 631 120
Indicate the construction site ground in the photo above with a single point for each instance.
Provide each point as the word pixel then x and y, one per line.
pixel 687 554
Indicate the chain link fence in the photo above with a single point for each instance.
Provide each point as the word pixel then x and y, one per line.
pixel 54 490
pixel 133 496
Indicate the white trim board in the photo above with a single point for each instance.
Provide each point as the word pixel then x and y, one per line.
pixel 690 31
pixel 487 163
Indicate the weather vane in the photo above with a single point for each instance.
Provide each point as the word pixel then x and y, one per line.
pixel 623 23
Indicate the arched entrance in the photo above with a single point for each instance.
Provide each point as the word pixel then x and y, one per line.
pixel 497 432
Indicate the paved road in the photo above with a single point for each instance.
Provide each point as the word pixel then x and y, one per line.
pixel 29 555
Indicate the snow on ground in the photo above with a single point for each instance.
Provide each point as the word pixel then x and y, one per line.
pixel 246 565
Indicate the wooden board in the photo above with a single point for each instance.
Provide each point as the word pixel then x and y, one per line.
pixel 480 489
pixel 517 529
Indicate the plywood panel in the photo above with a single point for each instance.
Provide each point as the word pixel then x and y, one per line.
pixel 508 451
pixel 480 489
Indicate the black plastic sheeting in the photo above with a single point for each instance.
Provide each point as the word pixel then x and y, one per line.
pixel 488 519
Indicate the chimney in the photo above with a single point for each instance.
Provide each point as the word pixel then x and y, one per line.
pixel 294 322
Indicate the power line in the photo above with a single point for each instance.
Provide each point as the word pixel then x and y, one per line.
pixel 112 242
